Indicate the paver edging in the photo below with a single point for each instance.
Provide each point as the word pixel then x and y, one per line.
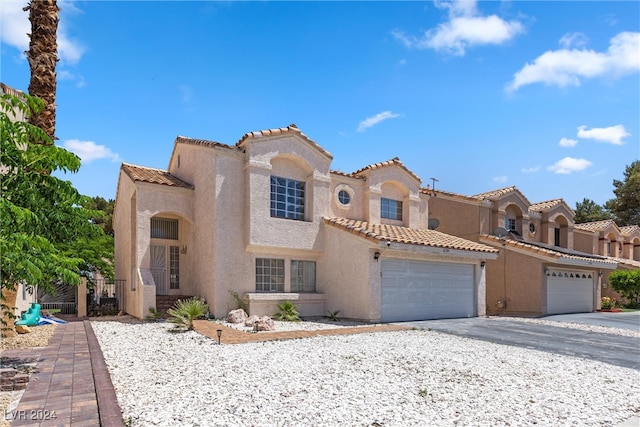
pixel 108 409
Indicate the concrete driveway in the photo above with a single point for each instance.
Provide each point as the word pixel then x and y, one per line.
pixel 609 348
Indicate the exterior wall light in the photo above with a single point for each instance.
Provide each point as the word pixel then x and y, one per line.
pixel 376 255
pixel 184 249
pixel 482 264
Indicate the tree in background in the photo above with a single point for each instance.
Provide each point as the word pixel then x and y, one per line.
pixel 625 207
pixel 46 231
pixel 627 282
pixel 105 213
pixel 43 56
pixel 589 211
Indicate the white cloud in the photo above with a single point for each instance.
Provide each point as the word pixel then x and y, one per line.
pixel 566 142
pixel 374 120
pixel 89 151
pixel 465 28
pixel 573 40
pixel 15 27
pixel 568 67
pixel 612 134
pixel 500 179
pixel 569 165
pixel 530 170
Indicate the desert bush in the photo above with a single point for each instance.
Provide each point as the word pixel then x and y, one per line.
pixel 288 312
pixel 183 313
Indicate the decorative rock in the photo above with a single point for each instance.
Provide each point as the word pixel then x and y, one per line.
pixel 251 320
pixel 237 316
pixel 265 323
pixel 22 329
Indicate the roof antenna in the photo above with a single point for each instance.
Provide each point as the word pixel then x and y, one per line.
pixel 433 185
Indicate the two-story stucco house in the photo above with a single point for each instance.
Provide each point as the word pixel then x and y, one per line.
pixel 540 270
pixel 268 219
pixel 605 238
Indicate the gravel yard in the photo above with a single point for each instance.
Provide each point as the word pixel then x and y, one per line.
pixel 383 379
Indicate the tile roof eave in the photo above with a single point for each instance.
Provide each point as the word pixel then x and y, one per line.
pixel 408 236
pixel 550 254
pixel 161 177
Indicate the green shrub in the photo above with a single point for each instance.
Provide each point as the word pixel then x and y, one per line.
pixel 333 315
pixel 154 314
pixel 238 299
pixel 627 283
pixel 183 313
pixel 287 311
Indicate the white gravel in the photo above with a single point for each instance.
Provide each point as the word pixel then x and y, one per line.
pixel 384 379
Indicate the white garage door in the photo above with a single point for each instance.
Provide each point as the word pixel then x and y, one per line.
pixel 569 291
pixel 414 290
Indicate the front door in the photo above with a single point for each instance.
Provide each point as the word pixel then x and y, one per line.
pixel 159 268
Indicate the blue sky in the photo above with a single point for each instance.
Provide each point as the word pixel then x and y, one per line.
pixel 541 95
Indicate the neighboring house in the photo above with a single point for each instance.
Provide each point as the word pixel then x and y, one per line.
pixel 539 270
pixel 268 219
pixel 621 244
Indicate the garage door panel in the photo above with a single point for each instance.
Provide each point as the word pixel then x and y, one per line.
pixel 570 292
pixel 421 290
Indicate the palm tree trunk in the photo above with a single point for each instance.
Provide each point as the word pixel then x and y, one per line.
pixel 42 57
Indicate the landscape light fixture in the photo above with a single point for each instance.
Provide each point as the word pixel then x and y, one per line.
pixel 376 255
pixel 219 331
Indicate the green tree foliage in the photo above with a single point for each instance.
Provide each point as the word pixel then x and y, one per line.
pixel 589 211
pixel 105 213
pixel 46 231
pixel 627 283
pixel 625 207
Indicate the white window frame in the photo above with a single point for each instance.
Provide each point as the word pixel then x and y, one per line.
pixel 390 209
pixel 270 275
pixel 303 276
pixel 287 198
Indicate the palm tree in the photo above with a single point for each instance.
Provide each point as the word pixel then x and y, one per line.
pixel 42 57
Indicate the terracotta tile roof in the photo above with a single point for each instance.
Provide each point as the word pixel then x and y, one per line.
pixel 292 129
pixel 494 194
pixel 553 252
pixel 203 142
pixel 411 236
pixel 597 225
pixel 430 191
pixel 628 230
pixel 349 175
pixel 546 205
pixel 626 262
pixel 392 162
pixel 6 89
pixel 153 176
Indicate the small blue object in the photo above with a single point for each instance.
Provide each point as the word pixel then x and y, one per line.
pixel 50 321
pixel 31 317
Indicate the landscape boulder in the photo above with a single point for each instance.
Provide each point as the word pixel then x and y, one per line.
pixel 251 320
pixel 22 329
pixel 237 316
pixel 264 323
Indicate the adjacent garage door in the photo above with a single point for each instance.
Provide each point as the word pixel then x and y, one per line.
pixel 569 291
pixel 414 290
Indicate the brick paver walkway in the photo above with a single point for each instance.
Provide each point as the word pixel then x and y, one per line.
pixel 63 391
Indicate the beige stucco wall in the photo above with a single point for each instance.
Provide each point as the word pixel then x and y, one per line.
pixel 515 279
pixel 355 188
pixel 460 218
pixel 347 276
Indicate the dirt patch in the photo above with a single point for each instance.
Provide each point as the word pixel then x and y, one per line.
pixel 38 337
pixel 235 336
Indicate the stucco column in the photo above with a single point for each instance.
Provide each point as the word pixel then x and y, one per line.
pixel 81 297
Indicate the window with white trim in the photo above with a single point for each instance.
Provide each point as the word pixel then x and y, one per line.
pixel 390 209
pixel 303 276
pixel 511 224
pixel 269 275
pixel 287 198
